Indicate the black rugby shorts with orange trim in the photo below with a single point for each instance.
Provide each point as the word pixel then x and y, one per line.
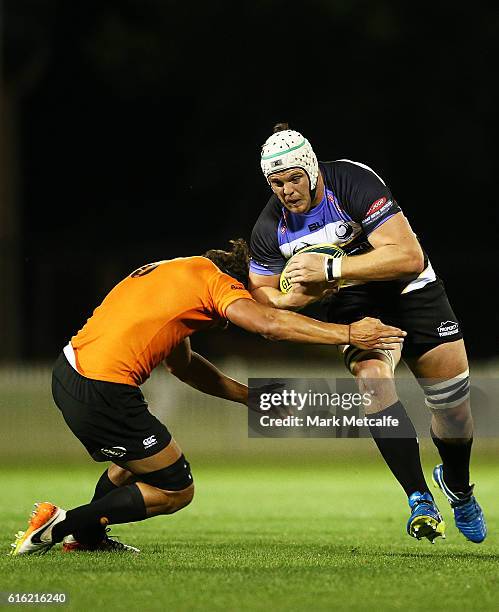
pixel 111 420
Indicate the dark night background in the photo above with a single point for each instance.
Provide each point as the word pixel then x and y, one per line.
pixel 131 132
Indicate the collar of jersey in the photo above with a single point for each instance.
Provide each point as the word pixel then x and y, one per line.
pixel 312 211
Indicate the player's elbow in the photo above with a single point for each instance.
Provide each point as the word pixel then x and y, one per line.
pixel 259 295
pixel 273 335
pixel 179 371
pixel 414 261
pixel 410 260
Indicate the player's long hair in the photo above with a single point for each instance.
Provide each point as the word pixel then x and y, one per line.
pixel 235 263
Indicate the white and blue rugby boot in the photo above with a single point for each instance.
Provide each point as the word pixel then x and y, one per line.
pixel 468 515
pixel 425 520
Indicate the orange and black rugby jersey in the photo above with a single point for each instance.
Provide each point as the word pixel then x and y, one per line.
pixel 148 313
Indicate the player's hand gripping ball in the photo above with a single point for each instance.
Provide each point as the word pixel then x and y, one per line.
pixel 331 250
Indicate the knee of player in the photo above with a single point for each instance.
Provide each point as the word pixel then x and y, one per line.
pixel 184 497
pixel 373 376
pixel 372 369
pixel 175 483
pixel 173 501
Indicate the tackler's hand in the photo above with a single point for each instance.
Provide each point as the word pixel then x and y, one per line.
pixel 372 333
pixel 255 395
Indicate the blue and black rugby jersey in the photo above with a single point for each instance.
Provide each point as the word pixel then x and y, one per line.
pixel 356 202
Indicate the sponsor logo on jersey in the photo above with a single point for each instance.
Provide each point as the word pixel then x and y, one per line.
pixel 376 206
pixel 114 451
pixel 236 287
pixel 447 328
pixel 150 441
pixel 313 227
pixel 381 208
pixel 143 270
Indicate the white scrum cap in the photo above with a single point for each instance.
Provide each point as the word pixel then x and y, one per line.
pixel 289 149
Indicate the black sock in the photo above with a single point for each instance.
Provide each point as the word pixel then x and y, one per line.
pixel 124 505
pixel 92 536
pixel 400 449
pixel 455 456
pixel 103 487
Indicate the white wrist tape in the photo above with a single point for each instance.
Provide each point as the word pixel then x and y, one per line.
pixel 337 267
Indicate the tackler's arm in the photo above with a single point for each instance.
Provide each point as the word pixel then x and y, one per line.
pixel 201 374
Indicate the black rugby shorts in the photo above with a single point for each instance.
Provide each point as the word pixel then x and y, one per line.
pixel 425 314
pixel 111 420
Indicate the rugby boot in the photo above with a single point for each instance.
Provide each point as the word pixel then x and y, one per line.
pixel 37 538
pixel 107 544
pixel 425 520
pixel 468 514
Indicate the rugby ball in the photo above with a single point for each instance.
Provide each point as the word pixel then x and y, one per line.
pixel 332 250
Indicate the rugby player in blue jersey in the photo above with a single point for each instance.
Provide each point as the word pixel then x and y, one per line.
pixel 385 274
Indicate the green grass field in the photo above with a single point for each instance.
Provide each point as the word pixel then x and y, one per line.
pixel 280 535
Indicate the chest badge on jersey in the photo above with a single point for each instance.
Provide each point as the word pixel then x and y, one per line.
pixel 343 231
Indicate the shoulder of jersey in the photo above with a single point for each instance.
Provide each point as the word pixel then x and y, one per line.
pixel 197 261
pixel 270 214
pixel 357 166
pixel 346 163
pixel 273 205
pixel 203 262
pixel 336 166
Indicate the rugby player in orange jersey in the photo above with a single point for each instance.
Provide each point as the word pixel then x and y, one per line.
pixel 146 320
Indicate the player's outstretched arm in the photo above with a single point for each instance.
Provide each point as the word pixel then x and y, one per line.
pixel 201 374
pixel 277 324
